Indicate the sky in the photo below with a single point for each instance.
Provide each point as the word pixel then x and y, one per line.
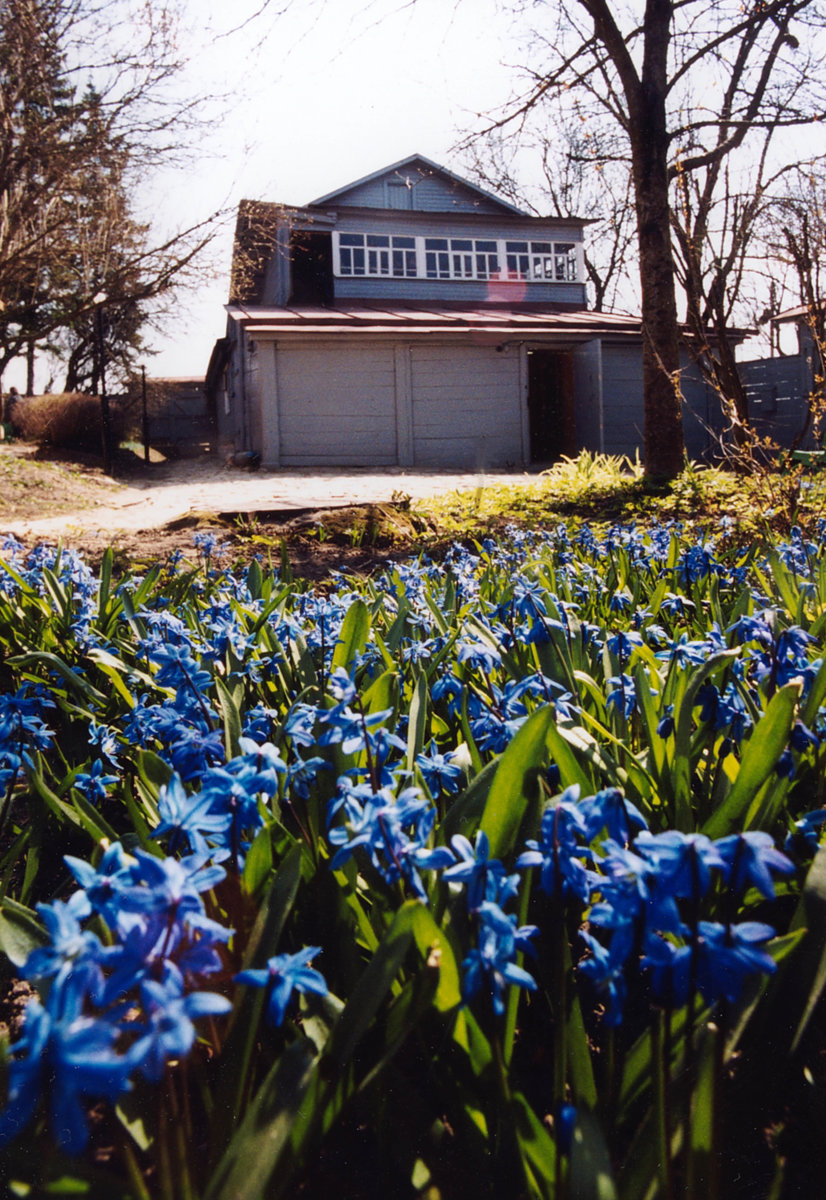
pixel 317 96
pixel 307 96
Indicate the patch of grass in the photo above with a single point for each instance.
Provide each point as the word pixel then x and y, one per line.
pixel 599 489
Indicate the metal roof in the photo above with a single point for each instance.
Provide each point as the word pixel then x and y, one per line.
pixel 426 321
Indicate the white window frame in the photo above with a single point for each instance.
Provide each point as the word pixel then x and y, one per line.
pixel 541 260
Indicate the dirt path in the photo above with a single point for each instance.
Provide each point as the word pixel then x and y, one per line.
pixel 198 488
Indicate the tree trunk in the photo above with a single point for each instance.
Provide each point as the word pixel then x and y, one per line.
pixel 30 368
pixel 663 436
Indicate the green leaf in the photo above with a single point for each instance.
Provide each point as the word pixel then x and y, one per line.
pixel 355 629
pixel 536 1146
pixel 252 1156
pixel 417 721
pixel 814 911
pixel 768 739
pixel 515 783
pixel 437 951
pixel 591 1176
pixel 53 663
pixel 230 700
pixel 683 722
pixel 255 579
pixel 20 931
pixel 570 769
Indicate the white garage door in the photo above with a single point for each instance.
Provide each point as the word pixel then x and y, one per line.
pixel 466 407
pixel 336 406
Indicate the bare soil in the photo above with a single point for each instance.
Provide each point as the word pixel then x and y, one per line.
pixel 149 511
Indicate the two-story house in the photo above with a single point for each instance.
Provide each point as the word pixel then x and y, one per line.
pixel 411 318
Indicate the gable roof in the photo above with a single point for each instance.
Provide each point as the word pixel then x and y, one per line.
pixel 427 167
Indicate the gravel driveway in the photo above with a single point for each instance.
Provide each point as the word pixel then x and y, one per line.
pixel 173 490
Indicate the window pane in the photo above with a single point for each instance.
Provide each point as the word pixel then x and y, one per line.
pixel 565 264
pixel 516 247
pixel 404 243
pixel 435 243
pixel 375 239
pixel 461 244
pixel 351 239
pixel 485 246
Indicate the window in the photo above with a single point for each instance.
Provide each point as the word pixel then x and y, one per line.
pixel 391 256
pixel 542 261
pixel 461 258
pixel 376 254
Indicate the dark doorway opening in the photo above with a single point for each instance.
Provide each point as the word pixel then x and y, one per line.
pixel 311 259
pixel 551 404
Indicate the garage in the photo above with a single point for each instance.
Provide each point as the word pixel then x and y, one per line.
pixel 336 406
pixel 466 410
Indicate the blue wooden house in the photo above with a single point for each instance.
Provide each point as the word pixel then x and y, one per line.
pixel 413 319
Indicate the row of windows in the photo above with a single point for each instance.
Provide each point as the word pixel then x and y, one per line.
pixel 387 255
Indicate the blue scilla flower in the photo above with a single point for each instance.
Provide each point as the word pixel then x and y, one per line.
pixel 170 884
pixel 449 688
pixel 750 858
pixel 558 850
pixel 105 739
pixel 69 943
pixel 631 892
pixel 492 962
pixel 188 819
pixel 729 955
pixel 394 832
pixel 168 1032
pixel 683 861
pixel 94 782
pixel 441 773
pixel 668 967
pixel 478 871
pixel 178 669
pixel 67 1056
pixel 283 975
pixel 806 832
pixel 609 810
pixel 479 656
pixel 605 967
pixel 103 885
pixel 302 774
pixel 624 644
pixel 623 694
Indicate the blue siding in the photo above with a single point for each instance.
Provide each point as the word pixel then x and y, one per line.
pixel 471 291
pixel 425 193
pixel 417 224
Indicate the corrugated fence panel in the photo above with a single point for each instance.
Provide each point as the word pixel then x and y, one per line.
pixel 337 406
pixel 778 391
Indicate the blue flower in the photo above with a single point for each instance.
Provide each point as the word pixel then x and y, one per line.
pixel 70 1056
pixel 557 851
pixel 609 810
pixel 169 1031
pixel 606 969
pixel 484 877
pixel 284 974
pixel 729 955
pixel 749 858
pixel 492 962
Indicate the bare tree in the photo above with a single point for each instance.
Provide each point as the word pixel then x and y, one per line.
pixel 582 172
pixel 70 163
pixel 687 84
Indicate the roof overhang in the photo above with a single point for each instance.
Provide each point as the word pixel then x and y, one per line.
pixel 496 325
